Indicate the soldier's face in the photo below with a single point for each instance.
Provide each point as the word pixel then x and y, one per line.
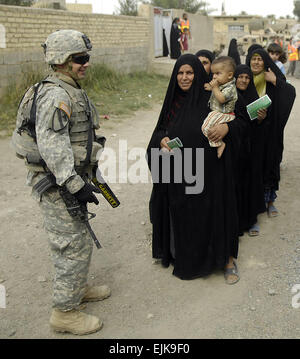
pixel 78 70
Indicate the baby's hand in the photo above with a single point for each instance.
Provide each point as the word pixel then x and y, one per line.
pixel 214 83
pixel 207 87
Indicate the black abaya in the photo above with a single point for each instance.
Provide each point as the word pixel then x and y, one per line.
pixel 283 97
pixel 174 40
pixel 165 44
pixel 250 166
pixel 204 225
pixel 233 52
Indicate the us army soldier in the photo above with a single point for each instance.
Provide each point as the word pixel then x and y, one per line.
pixel 65 138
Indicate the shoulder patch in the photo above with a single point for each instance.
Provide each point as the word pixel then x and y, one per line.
pixel 65 108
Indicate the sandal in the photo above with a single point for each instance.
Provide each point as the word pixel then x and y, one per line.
pixel 272 211
pixel 228 272
pixel 254 230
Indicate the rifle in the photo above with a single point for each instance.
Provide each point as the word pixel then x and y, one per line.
pixel 76 210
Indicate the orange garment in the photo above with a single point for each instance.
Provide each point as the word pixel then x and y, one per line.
pixel 185 25
pixel 280 43
pixel 293 53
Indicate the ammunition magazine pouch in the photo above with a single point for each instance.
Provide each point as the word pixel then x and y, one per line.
pixel 44 184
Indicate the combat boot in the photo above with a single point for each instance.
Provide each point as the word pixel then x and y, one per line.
pixel 96 293
pixel 74 322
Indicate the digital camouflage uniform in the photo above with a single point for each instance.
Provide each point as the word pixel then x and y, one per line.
pixel 62 132
pixel 62 126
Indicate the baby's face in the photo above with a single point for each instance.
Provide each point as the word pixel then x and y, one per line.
pixel 274 55
pixel 222 73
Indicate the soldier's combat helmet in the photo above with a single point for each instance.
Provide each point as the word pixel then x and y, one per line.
pixel 63 43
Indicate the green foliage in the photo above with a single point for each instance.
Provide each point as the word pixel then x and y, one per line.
pixel 128 7
pixel 118 94
pixel 17 2
pixel 113 93
pixel 297 9
pixel 9 101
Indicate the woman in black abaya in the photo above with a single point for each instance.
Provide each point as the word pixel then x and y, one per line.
pixel 250 168
pixel 233 52
pixel 268 79
pixel 175 36
pixel 198 232
pixel 206 57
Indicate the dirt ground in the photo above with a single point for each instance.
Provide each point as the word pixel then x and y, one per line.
pixel 147 300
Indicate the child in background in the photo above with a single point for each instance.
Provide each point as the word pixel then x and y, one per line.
pixel 184 39
pixel 223 97
pixel 278 56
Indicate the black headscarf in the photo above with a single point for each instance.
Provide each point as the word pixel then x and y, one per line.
pixel 195 100
pixel 268 63
pixel 206 53
pixel 250 50
pixel 250 94
pixel 233 52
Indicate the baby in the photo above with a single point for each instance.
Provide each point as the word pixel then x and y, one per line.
pixel 223 98
pixel 278 56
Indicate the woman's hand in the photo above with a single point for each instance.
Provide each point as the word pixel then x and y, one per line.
pixel 262 114
pixel 164 145
pixel 270 76
pixel 218 132
pixel 207 87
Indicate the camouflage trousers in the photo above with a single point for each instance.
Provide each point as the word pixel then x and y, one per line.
pixel 71 248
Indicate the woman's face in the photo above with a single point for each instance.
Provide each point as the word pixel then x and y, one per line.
pixel 206 63
pixel 185 77
pixel 242 82
pixel 257 64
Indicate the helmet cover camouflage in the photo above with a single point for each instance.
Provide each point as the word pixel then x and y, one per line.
pixel 63 43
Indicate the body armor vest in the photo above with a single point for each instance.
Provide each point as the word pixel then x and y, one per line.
pixel 83 119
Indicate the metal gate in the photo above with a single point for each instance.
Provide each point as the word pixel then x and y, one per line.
pixel 162 21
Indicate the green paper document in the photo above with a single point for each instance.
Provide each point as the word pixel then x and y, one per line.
pixel 175 143
pixel 260 104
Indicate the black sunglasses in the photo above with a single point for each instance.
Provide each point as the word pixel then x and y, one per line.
pixel 81 59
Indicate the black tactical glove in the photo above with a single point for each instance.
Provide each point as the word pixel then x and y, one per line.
pixel 85 194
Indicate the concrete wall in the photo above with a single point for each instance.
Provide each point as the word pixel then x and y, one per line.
pixel 125 43
pixel 119 41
